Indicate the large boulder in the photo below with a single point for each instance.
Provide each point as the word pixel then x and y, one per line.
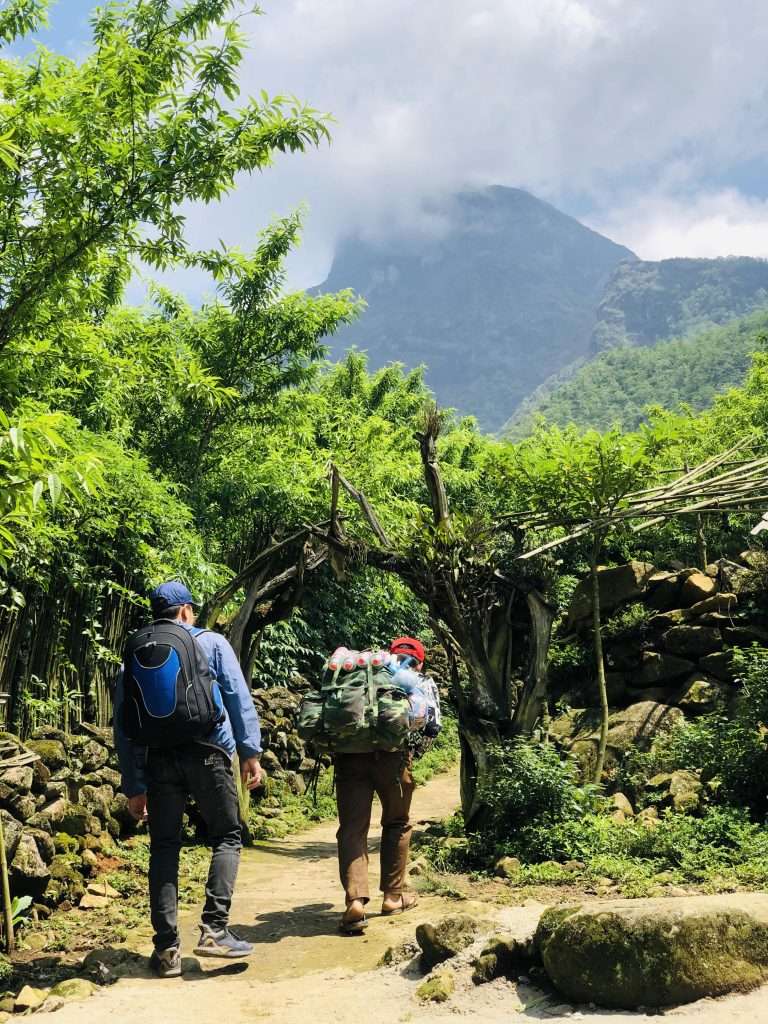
pixel 618 584
pixel 693 641
pixel 633 727
pixel 720 665
pixel 656 952
pixel 685 791
pixel 52 752
pixel 696 588
pixel 12 830
pixel 665 590
pixel 29 873
pixel 717 603
pixel 93 755
pixel 701 693
pixel 658 668
pixel 97 800
pixel 745 634
pixel 755 558
pixel 76 820
pixel 19 778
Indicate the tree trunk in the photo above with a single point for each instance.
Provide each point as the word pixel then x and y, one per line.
pixel 477 737
pixel 701 543
pixel 599 663
pixel 532 702
pixel 493 709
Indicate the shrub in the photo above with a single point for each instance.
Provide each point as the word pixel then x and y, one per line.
pixel 731 753
pixel 528 793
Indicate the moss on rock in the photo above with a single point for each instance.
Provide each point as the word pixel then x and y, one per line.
pixel 504 956
pixel 656 952
pixel 441 941
pixel 437 989
pixel 74 989
pixel 67 882
pixel 52 753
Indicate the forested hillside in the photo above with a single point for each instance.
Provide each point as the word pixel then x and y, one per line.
pixel 618 386
pixel 646 302
pixel 500 297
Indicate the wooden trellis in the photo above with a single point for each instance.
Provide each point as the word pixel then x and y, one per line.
pixel 720 484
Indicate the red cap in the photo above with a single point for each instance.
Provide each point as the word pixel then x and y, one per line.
pixel 408 645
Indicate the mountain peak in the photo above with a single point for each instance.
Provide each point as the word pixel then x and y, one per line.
pixel 497 298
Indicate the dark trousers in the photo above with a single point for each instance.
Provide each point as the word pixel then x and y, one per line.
pixel 358 777
pixel 205 774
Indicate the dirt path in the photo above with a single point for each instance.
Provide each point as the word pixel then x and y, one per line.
pixel 288 901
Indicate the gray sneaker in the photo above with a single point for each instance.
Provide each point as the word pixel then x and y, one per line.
pixel 166 963
pixel 221 943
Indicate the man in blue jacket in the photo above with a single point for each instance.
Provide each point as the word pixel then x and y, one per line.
pixel 158 781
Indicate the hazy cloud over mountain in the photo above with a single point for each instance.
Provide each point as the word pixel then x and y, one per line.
pixel 633 115
pixel 645 119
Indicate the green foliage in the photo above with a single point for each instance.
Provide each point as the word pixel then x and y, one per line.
pixel 630 621
pixel 367 610
pixel 731 750
pixel 284 650
pixel 527 794
pixel 720 851
pixel 584 475
pixel 21 17
pixel 619 385
pixel 19 907
pixel 111 147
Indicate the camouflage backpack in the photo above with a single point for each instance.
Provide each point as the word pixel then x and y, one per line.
pixel 357 709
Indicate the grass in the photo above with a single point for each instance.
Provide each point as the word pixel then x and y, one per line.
pixel 65 932
pixel 722 851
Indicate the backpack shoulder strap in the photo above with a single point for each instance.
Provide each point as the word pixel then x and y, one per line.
pixel 183 638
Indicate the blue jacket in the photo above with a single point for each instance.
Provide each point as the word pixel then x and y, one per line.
pixel 239 731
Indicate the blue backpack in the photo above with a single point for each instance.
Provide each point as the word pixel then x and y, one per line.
pixel 170 697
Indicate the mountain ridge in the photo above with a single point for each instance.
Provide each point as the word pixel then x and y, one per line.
pixel 512 298
pixel 512 276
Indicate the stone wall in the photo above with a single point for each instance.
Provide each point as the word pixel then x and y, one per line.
pixel 61 810
pixel 669 638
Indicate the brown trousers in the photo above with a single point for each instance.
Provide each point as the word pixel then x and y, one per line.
pixel 358 777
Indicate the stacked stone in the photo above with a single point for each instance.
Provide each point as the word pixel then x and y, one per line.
pixel 285 756
pixel 60 812
pixel 680 663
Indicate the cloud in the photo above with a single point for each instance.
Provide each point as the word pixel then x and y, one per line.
pixel 587 98
pixel 721 223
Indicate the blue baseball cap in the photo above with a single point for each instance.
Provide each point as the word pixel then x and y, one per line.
pixel 170 595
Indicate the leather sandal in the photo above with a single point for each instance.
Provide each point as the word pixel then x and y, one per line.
pixel 353 926
pixel 407 902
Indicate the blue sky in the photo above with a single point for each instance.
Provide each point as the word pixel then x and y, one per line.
pixel 647 120
pixel 69 28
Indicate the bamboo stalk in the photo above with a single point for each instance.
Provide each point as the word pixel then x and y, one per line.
pixel 10 939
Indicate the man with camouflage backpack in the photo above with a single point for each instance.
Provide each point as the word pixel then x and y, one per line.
pixel 366 712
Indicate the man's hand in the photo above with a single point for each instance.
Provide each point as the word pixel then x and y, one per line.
pixel 137 805
pixel 251 772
